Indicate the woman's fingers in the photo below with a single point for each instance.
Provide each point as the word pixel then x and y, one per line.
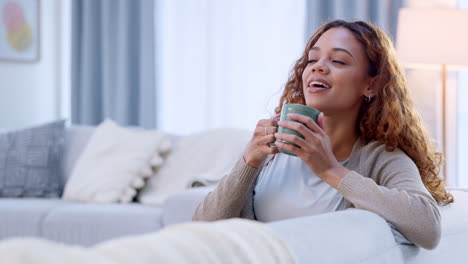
pixel 264 140
pixel 291 138
pixel 265 131
pixel 302 129
pixel 320 121
pixel 271 130
pixel 307 121
pixel 304 125
pixel 259 146
pixel 289 147
pixel 270 150
pixel 267 122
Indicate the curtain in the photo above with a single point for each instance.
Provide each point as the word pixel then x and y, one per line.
pixel 383 13
pixel 224 63
pixel 113 62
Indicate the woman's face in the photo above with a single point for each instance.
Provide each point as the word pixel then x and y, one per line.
pixel 335 79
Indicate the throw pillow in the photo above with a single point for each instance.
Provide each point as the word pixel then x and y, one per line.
pixel 197 159
pixel 115 164
pixel 30 161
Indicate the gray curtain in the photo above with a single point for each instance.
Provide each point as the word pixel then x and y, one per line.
pixel 113 62
pixel 383 13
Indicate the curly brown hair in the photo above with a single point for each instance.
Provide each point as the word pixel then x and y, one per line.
pixel 390 116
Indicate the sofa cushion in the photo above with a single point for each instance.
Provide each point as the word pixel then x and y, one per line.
pixel 30 161
pixel 73 222
pixel 199 159
pixel 87 224
pixel 180 207
pixel 24 217
pixel 115 163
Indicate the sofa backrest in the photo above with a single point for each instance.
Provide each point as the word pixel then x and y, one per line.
pixel 76 138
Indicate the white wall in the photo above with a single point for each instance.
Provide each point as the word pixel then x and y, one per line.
pixel 31 93
pixel 223 63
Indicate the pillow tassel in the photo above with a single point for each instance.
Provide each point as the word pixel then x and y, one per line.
pixel 128 195
pixel 138 183
pixel 146 172
pixel 156 161
pixel 164 146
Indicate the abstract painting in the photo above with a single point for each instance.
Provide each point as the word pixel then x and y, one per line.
pixel 19 30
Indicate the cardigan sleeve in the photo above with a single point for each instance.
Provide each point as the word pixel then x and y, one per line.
pixel 394 190
pixel 228 199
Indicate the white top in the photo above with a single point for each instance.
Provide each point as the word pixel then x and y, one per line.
pixel 287 188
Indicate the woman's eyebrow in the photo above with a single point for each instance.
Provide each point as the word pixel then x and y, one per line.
pixel 334 49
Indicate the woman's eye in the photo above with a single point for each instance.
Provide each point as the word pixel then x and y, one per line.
pixel 339 62
pixel 311 61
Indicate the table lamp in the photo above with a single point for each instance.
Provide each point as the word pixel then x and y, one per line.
pixel 434 37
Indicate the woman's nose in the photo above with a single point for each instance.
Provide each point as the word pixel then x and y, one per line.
pixel 319 66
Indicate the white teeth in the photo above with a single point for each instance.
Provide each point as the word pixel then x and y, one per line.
pixel 319 83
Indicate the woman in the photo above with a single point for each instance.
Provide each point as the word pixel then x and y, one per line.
pixel 368 150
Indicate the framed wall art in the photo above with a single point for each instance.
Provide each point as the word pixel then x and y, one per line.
pixel 19 30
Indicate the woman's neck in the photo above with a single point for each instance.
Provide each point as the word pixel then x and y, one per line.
pixel 342 133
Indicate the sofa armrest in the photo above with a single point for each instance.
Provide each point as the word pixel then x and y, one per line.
pixel 349 236
pixel 180 207
pixel 452 245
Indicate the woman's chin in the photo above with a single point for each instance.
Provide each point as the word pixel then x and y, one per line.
pixel 315 105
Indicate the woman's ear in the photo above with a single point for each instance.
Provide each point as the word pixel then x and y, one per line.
pixel 369 91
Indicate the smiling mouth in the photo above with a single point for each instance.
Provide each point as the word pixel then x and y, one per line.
pixel 318 84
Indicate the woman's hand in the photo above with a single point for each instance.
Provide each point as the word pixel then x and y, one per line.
pixel 315 149
pixel 259 146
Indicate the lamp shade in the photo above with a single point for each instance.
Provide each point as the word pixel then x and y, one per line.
pixel 432 36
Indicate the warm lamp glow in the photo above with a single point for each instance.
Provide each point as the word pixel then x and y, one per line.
pixel 429 37
pixel 432 37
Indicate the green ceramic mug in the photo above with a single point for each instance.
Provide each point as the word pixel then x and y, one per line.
pixel 297 109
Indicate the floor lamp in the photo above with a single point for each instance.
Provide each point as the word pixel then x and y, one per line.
pixel 434 37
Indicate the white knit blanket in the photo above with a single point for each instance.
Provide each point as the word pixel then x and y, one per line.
pixel 226 241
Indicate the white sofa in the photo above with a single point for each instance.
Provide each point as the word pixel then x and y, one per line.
pixel 350 236
pixel 75 222
pixel 81 223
